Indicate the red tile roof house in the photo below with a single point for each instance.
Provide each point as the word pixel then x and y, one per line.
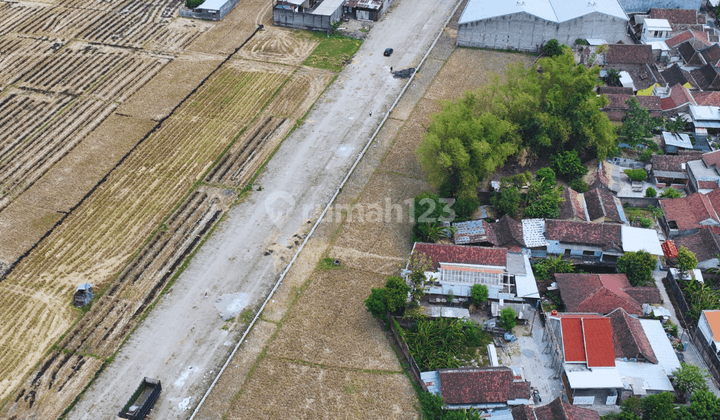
pixel 679 100
pixel 705 244
pixel 555 410
pixel 704 173
pixel 686 215
pixel 603 206
pixel 617 109
pixel 484 387
pixel 604 356
pixel 677 17
pixel 596 242
pixel 671 170
pixel 603 293
pixel 637 60
pixel 698 39
pixel 457 268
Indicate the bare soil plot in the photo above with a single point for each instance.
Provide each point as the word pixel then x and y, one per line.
pixel 20 54
pixel 14 14
pixel 22 226
pixel 279 45
pixel 61 22
pixel 322 393
pixel 155 101
pixel 129 76
pixel 178 35
pixel 329 326
pixel 235 28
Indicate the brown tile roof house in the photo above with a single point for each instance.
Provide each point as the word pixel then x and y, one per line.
pixel 603 206
pixel 603 90
pixel 712 159
pixel 674 75
pixel 707 98
pixel 629 54
pixel 679 98
pixel 707 77
pixel 699 39
pixel 618 107
pixel 470 386
pixel 555 410
pixel 688 213
pixel 674 16
pixel 603 293
pixel 507 232
pixel 704 243
pixel 573 208
pixel 629 339
pixel 673 163
pixel 690 55
pixel 711 55
pixel 458 254
pixel 605 235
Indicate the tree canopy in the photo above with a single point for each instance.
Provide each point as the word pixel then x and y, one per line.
pixel 637 266
pixel 551 107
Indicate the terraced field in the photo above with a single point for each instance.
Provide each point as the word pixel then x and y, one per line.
pixel 132 231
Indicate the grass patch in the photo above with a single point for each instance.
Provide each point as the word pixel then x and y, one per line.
pixel 447 343
pixel 326 264
pixel 332 52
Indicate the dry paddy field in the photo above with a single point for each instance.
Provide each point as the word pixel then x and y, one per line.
pixel 120 148
pixel 324 356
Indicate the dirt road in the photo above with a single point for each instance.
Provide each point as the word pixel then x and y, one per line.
pixel 182 341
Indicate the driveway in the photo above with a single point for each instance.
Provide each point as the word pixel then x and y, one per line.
pixel 182 341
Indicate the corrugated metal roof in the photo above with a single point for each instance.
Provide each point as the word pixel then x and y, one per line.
pixel 677 140
pixel 705 113
pixel 550 10
pixel 638 239
pixel 212 5
pixel 594 379
pixel 328 7
pixel 470 232
pixel 653 377
pixel 660 344
pixel 525 284
pixel 534 232
pixel 432 381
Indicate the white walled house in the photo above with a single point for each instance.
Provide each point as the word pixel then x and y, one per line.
pixel 526 25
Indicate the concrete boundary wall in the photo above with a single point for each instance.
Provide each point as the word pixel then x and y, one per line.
pixel 299 20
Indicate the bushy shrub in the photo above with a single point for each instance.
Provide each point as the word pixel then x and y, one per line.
pixel 508 318
pixel 636 174
pixel 650 192
pixel 671 193
pixel 645 156
pixel 568 165
pixel 552 48
pixel 191 4
pixel 579 185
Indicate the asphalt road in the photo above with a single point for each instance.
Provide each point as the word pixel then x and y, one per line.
pixel 182 341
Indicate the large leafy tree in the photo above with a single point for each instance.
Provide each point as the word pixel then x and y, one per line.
pixel 686 260
pixel 689 379
pixel 658 407
pixel 637 266
pixel 548 108
pixel 638 124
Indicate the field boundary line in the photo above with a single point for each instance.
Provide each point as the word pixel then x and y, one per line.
pixel 322 215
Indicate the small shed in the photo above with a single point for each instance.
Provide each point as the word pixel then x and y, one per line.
pixel 656 30
pixel 83 295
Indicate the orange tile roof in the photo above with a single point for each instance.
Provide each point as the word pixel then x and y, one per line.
pixel 599 346
pixel 713 318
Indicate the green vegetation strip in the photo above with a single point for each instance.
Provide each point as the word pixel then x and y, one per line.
pixel 332 52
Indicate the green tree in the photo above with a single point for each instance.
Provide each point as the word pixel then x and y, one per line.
pixel 646 155
pixel 637 124
pixel 547 267
pixel 376 304
pixel 650 192
pixel 546 177
pixel 636 174
pixel 637 266
pixel 431 406
pixel 191 4
pixel 700 296
pixel 633 406
pixel 508 318
pixel 686 260
pixel 478 294
pixel 704 405
pixel 568 165
pixel 658 407
pixel 507 202
pixel 396 293
pixel 671 193
pixel 461 147
pixel 552 48
pixel 542 201
pixel 675 126
pixel 689 379
pixel 579 185
pixel 418 265
pixel 613 77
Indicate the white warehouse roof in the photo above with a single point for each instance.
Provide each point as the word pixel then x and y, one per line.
pixel 550 10
pixel 639 239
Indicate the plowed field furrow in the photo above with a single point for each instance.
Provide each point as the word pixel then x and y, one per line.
pixel 123 30
pixel 105 5
pixel 19 55
pixel 162 9
pixel 61 22
pixel 300 92
pixel 112 317
pixel 176 36
pixel 34 158
pixel 22 114
pixel 129 77
pixel 13 15
pixel 75 69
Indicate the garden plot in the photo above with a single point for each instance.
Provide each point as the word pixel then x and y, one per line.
pixel 101 331
pixel 123 30
pixel 279 46
pixel 98 238
pixel 178 35
pixel 29 160
pixel 323 393
pixel 329 325
pixel 61 22
pixel 20 54
pixel 75 68
pixel 235 28
pixel 14 14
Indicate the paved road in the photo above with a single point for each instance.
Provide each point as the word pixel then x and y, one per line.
pixel 182 341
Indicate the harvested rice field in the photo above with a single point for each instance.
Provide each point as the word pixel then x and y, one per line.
pixel 100 163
